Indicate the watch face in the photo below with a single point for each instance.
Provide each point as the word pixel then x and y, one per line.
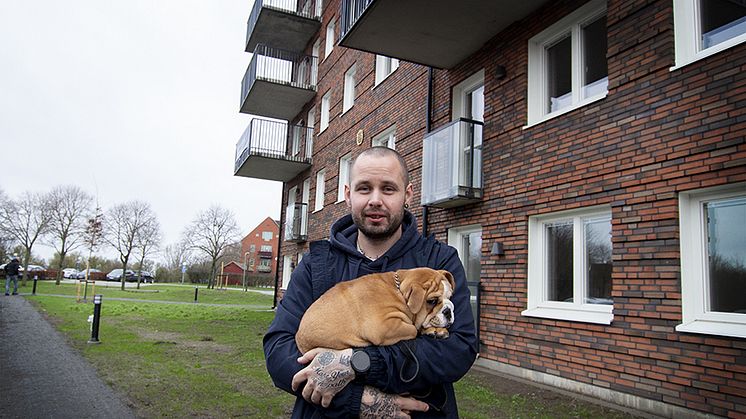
pixel 360 362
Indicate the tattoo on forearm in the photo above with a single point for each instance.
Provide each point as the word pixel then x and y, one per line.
pixel 376 404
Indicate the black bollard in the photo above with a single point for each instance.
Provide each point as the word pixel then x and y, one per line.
pixel 195 294
pixel 33 291
pixel 96 318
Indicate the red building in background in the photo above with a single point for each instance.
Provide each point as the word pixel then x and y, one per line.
pixel 259 248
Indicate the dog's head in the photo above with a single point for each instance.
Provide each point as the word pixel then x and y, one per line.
pixel 427 293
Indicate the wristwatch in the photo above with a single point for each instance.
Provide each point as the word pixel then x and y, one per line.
pixel 360 362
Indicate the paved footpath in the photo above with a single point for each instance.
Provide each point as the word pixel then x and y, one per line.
pixel 41 376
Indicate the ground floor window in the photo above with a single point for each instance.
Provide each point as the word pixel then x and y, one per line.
pixel 713 261
pixel 468 242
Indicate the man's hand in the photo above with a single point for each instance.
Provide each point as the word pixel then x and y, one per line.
pixel 377 404
pixel 327 375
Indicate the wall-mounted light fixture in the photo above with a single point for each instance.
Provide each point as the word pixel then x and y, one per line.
pixel 500 72
pixel 497 249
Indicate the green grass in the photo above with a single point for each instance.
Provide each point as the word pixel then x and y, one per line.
pixel 180 360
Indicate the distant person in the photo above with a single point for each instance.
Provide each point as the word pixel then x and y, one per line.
pixel 11 274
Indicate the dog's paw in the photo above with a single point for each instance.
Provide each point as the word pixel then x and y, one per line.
pixel 435 332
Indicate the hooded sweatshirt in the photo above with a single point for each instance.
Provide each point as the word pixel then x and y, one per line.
pixel 423 367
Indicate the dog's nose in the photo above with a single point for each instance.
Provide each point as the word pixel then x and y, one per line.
pixel 447 313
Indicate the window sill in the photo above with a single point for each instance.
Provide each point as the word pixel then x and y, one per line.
pixel 685 61
pixel 711 327
pixel 561 112
pixel 598 314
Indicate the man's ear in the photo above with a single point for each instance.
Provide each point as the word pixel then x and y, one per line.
pixel 408 194
pixel 413 293
pixel 347 196
pixel 450 279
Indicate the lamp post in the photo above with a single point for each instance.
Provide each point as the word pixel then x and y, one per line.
pixel 245 267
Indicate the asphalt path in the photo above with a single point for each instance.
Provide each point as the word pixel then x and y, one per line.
pixel 42 377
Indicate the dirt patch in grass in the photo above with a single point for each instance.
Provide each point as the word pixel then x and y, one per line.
pixel 205 343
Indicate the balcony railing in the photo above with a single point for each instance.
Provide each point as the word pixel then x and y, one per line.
pixel 434 33
pixel 296 222
pixel 278 83
pixel 286 23
pixel 271 150
pixel 452 164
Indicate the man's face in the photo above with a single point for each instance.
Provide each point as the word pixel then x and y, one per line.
pixel 376 196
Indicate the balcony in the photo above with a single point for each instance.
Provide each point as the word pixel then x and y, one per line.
pixel 452 165
pixel 278 83
pixel 437 33
pixel 296 222
pixel 286 23
pixel 263 268
pixel 271 150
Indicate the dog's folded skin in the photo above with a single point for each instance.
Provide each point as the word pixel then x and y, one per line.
pixel 379 309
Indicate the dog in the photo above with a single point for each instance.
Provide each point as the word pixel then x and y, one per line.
pixel 379 309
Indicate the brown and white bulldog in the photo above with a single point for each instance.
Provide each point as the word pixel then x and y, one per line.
pixel 379 309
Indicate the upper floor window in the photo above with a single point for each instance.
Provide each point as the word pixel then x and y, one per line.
pixel 266 248
pixel 569 266
pixel 349 89
pixel 345 162
pixel 329 42
pixel 713 261
pixel 309 132
pixel 386 138
pixel 384 67
pixel 705 27
pixel 320 189
pixel 252 248
pixel 266 235
pixel 325 104
pixel 567 65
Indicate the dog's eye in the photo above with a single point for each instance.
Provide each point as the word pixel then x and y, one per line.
pixel 432 301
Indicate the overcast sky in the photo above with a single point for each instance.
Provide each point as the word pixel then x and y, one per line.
pixel 130 100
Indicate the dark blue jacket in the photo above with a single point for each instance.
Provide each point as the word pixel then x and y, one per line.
pixel 424 367
pixel 12 268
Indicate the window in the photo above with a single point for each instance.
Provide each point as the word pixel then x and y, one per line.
pixel 713 261
pixel 567 65
pixel 386 139
pixel 315 68
pixel 349 90
pixel 266 236
pixel 706 27
pixel 320 179
pixel 252 248
pixel 345 162
pixel 468 243
pixel 384 67
pixel 266 248
pixel 569 266
pixel 287 270
pixel 319 7
pixel 468 102
pixel 251 264
pixel 309 133
pixel 325 102
pixel 297 133
pixel 329 43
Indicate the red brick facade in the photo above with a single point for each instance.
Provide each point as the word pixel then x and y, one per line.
pixel 259 248
pixel 658 132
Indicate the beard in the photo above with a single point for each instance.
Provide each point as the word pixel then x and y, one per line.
pixel 378 231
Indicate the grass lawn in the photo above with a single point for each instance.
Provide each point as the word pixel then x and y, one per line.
pixel 179 360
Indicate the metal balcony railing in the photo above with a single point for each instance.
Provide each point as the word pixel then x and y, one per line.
pixel 350 13
pixel 304 8
pixel 273 139
pixel 296 222
pixel 279 66
pixel 452 164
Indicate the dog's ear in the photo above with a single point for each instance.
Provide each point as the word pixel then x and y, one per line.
pixel 413 293
pixel 450 279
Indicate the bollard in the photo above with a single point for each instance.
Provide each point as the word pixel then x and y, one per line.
pixel 33 291
pixel 195 294
pixel 96 318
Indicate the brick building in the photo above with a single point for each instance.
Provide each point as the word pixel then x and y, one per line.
pixel 586 158
pixel 259 248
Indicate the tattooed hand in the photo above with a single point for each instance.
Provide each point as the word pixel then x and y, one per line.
pixel 327 375
pixel 377 404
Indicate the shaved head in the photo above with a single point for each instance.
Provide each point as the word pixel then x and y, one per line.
pixel 380 151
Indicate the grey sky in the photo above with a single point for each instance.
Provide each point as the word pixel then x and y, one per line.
pixel 129 99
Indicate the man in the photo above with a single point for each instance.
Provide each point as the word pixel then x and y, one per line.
pixel 378 235
pixel 11 274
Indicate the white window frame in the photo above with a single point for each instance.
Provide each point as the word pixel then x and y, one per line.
pixel 688 33
pixel 309 133
pixel 345 162
pixel 287 271
pixel 315 68
pixel 297 131
pixel 319 8
pixel 348 99
pixel 385 66
pixel 538 304
pixel 386 138
pixel 267 236
pixel 320 190
pixel 325 110
pixel 329 41
pixel 537 77
pixel 460 91
pixel 694 282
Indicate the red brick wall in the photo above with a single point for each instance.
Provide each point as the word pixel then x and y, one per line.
pixel 255 238
pixel 657 133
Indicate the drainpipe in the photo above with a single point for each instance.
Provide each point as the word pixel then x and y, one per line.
pixel 279 250
pixel 428 111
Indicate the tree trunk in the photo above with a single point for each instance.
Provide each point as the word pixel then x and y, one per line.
pixel 59 270
pixel 26 258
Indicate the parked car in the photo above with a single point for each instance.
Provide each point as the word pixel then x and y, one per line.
pixel 145 277
pixel 69 273
pixel 91 274
pixel 116 275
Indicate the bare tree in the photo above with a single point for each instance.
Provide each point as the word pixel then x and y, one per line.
pixel 25 221
pixel 211 233
pixel 123 225
pixel 174 257
pixel 69 207
pixel 147 241
pixel 6 241
pixel 92 235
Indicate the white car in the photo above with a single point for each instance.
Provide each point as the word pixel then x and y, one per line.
pixel 69 272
